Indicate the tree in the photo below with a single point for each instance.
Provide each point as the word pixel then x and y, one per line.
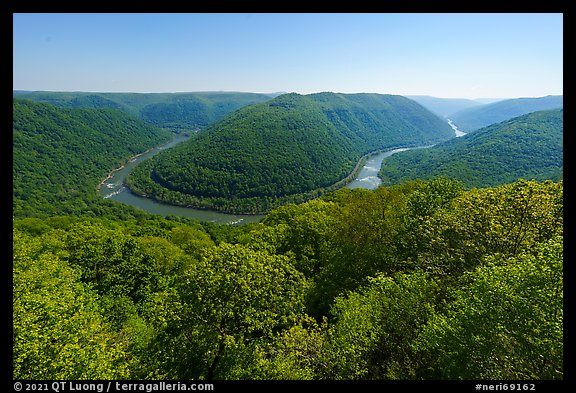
pixel 231 297
pixel 296 353
pixel 508 219
pixel 191 240
pixel 373 328
pixel 58 330
pixel 506 324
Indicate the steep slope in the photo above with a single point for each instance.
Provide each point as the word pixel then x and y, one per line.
pixel 60 154
pixel 529 147
pixel 177 111
pixel 474 118
pixel 288 149
pixel 382 121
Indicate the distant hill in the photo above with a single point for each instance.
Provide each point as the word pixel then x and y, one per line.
pixel 60 154
pixel 528 147
pixel 288 149
pixel 474 118
pixel 176 111
pixel 484 101
pixel 444 107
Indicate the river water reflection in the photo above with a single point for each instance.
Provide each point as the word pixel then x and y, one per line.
pixel 455 128
pixel 368 177
pixel 113 187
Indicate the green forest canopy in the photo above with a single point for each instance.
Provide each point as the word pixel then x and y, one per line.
pixel 289 149
pixel 420 280
pixel 528 147
pixel 175 111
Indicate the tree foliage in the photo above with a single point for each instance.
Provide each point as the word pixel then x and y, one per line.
pixel 422 280
pixel 180 112
pixel 58 331
pixel 233 296
pixel 289 149
pixel 61 155
pixel 506 324
pixel 425 279
pixel 529 147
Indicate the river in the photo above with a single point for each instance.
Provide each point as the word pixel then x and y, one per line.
pixel 456 130
pixel 113 187
pixel 368 175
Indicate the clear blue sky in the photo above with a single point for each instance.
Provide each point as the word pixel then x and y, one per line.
pixel 486 55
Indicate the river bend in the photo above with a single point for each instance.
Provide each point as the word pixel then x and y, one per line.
pixel 113 187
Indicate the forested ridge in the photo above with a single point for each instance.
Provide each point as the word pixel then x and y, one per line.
pixel 60 155
pixel 180 112
pixel 529 147
pixel 289 149
pixel 421 280
pixel 474 118
pixel 444 107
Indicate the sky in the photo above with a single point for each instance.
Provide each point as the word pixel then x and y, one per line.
pixel 452 55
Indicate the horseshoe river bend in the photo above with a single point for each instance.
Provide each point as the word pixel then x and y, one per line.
pixel 113 187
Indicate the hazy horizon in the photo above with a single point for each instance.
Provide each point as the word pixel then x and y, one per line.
pixel 487 99
pixel 468 56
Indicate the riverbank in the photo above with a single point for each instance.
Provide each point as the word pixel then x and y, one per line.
pixel 457 132
pixel 135 157
pixel 116 189
pixel 251 206
pixel 131 159
pixel 113 187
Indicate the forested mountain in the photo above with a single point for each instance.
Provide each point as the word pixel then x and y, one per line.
pixel 291 148
pixel 444 107
pixel 176 111
pixel 477 117
pixel 423 280
pixel 417 281
pixel 529 147
pixel 61 154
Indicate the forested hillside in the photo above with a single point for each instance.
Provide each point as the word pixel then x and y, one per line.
pixel 288 149
pixel 60 155
pixel 477 117
pixel 418 281
pixel 422 280
pixel 529 147
pixel 176 111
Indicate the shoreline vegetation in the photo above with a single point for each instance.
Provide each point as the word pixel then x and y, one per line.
pixel 296 198
pixel 290 149
pixel 419 280
pixel 131 159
